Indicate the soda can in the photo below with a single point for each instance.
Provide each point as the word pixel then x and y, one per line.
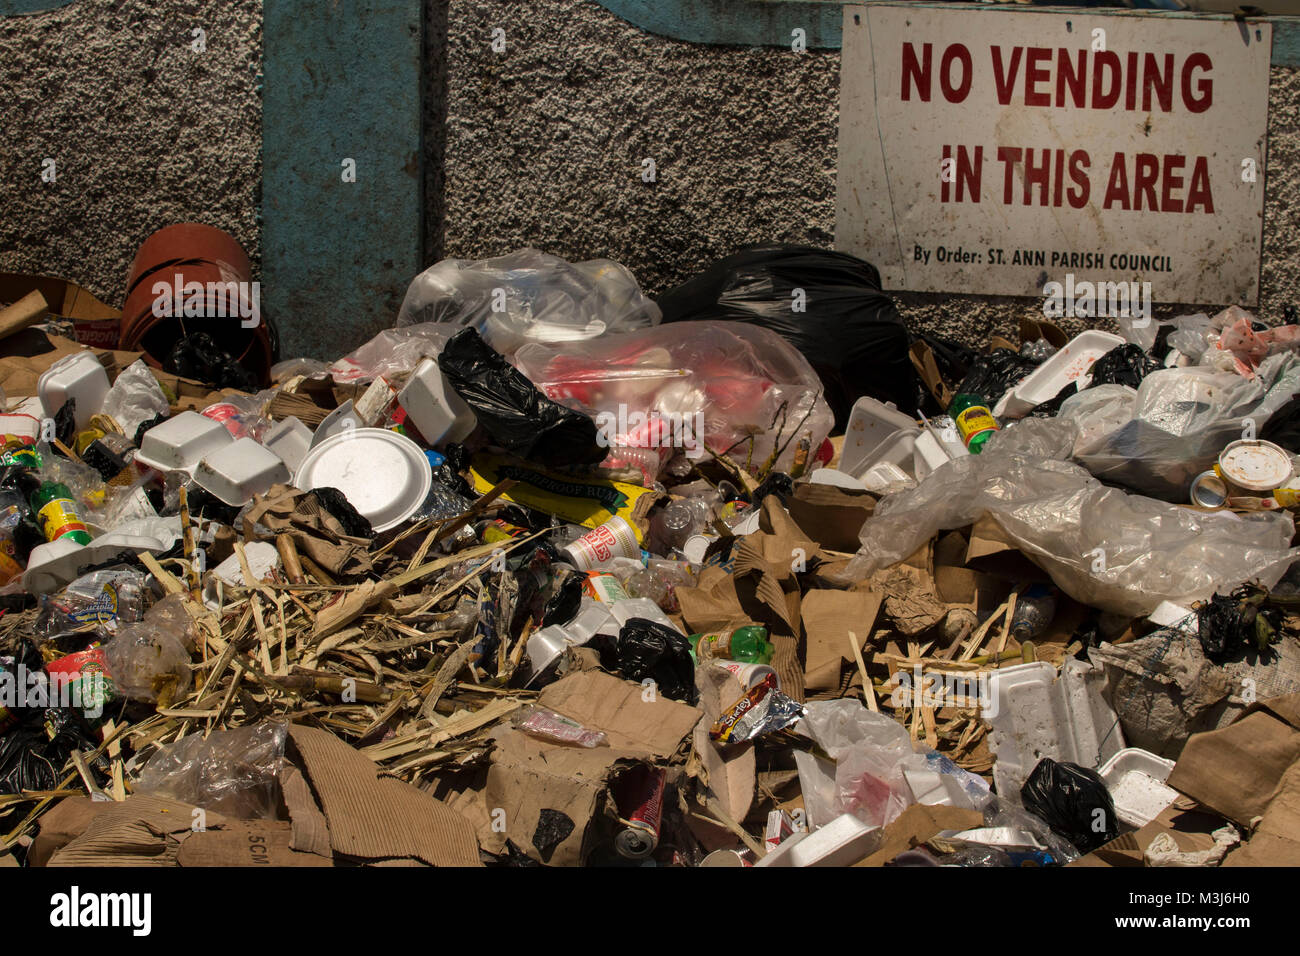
pixel 641 801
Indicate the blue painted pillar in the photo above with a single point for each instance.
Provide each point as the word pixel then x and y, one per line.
pixel 341 83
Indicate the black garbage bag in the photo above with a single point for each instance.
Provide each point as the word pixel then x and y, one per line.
pixel 992 374
pixel 849 330
pixel 565 600
pixel 647 649
pixel 1123 365
pixel 512 410
pixel 1073 801
pixel 198 356
pixel 337 505
pixel 33 754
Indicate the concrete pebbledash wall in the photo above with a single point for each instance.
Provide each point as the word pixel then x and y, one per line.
pixel 540 145
pixel 144 132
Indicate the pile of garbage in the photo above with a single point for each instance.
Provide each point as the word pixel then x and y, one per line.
pixel 550 573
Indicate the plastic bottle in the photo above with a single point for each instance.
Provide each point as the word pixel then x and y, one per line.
pixel 56 512
pixel 748 644
pixel 679 520
pixel 1035 609
pixel 975 422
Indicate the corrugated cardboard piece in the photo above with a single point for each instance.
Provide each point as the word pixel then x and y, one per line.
pixel 1249 771
pixel 1189 829
pixel 376 818
pixel 828 617
pixel 546 795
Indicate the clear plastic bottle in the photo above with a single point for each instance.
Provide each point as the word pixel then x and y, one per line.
pixel 1035 609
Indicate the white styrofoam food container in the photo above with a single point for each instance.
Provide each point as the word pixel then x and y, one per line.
pixel 290 439
pixel 384 475
pixel 78 376
pixel 434 407
pixel 1033 715
pixel 1071 363
pixel 877 431
pixel 240 470
pixel 344 418
pixel 842 842
pixel 837 479
pixel 25 419
pixel 181 442
pixel 1136 781
pixel 55 564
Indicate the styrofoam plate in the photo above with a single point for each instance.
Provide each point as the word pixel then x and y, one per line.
pixel 384 475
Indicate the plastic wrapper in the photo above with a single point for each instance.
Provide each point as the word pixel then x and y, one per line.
pixel 736 388
pixel 849 330
pixel 528 296
pixel 648 650
pixel 102 599
pixel 762 710
pixel 145 661
pixel 556 728
pixel 512 411
pixel 1103 547
pixel 391 353
pixel 135 397
pixel 232 772
pixel 1179 422
pixel 870 751
pixel 1073 801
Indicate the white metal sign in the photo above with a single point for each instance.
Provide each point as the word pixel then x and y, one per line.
pixel 989 151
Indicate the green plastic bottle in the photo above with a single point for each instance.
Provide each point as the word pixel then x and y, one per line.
pixel 748 644
pixel 975 422
pixel 56 513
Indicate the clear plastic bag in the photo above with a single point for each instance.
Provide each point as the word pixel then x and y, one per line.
pixel 733 386
pixel 1180 420
pixel 1105 548
pixel 528 296
pixel 392 352
pixel 870 751
pixel 232 772
pixel 135 398
pixel 145 660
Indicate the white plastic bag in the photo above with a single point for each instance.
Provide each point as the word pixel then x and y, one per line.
pixel 134 398
pixel 1103 547
pixel 529 296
